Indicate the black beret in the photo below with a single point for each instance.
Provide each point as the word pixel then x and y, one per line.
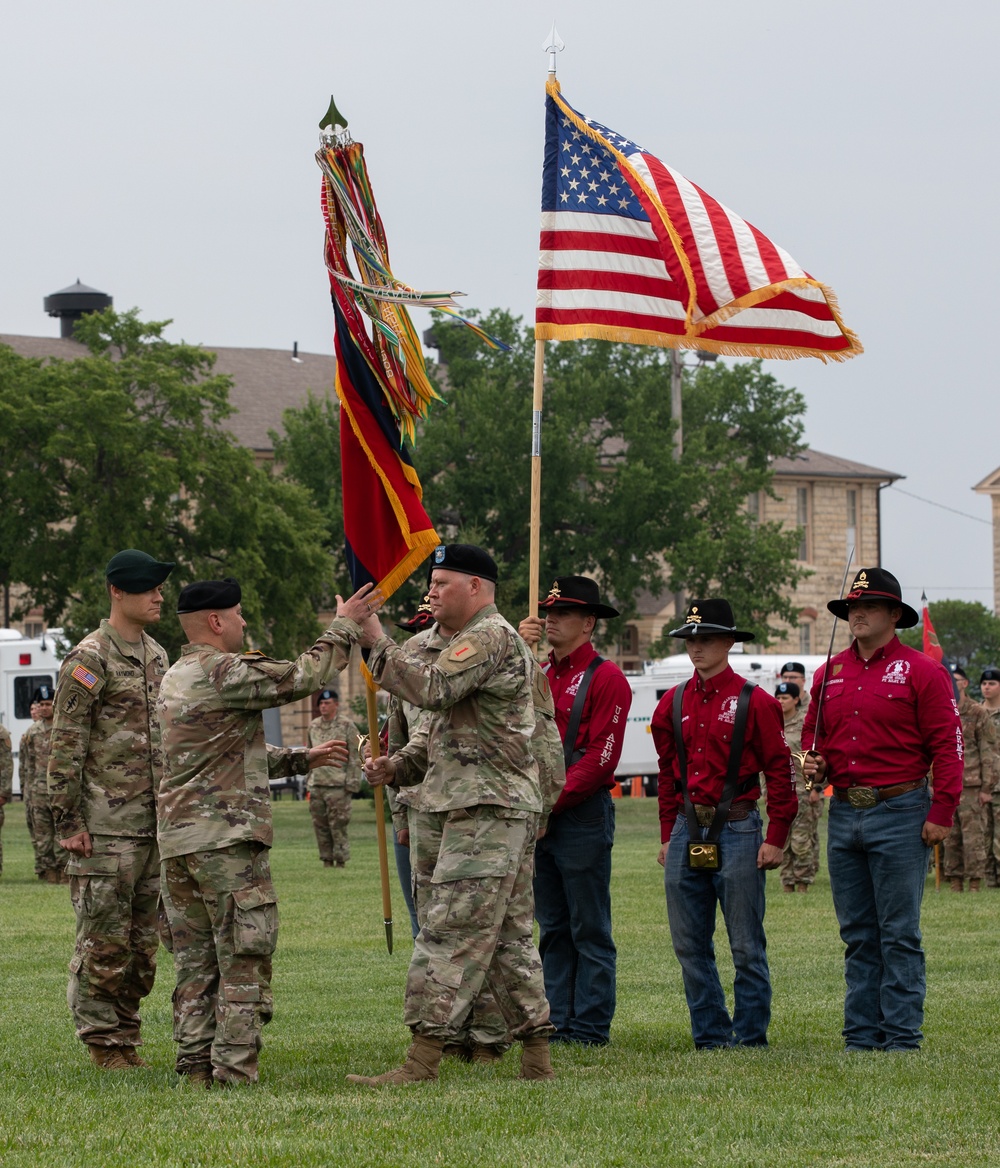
pixel 44 693
pixel 787 687
pixel 990 673
pixel 213 594
pixel 328 695
pixel 134 571
pixel 465 557
pixel 793 667
pixel 959 671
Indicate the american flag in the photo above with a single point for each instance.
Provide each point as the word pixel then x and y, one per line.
pixel 633 251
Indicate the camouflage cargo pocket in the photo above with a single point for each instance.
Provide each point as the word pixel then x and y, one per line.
pixel 476 843
pixel 95 893
pixel 442 981
pixel 255 921
pixel 239 1024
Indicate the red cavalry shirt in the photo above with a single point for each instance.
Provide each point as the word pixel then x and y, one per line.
pixel 708 714
pixel 602 725
pixel 889 720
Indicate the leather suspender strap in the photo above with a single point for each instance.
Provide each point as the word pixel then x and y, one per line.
pixel 732 772
pixel 570 754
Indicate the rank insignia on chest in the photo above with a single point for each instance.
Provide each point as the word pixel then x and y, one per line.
pixel 84 677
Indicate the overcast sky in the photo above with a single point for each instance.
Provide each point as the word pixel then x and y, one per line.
pixel 164 154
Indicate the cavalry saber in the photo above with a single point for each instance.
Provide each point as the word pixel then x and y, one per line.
pixel 829 655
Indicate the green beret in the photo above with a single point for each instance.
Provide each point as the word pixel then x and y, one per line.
pixel 213 594
pixel 134 571
pixel 464 557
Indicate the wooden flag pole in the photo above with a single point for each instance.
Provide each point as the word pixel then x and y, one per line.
pixel 534 538
pixel 375 746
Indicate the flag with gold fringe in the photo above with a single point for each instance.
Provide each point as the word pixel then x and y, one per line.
pixel 632 251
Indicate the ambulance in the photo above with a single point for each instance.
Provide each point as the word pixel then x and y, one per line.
pixel 638 755
pixel 25 664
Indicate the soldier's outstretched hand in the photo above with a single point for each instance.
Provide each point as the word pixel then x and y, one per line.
pixel 361 605
pixel 332 753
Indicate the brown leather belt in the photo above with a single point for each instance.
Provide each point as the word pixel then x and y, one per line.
pixel 872 796
pixel 738 810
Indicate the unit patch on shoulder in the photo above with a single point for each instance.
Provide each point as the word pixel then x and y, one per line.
pixel 84 676
pixel 464 653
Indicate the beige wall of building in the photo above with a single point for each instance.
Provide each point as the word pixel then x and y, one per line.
pixel 991 486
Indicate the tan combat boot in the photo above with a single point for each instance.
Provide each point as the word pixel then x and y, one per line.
pixel 110 1058
pixel 956 884
pixel 51 876
pixel 132 1057
pixel 485 1054
pixel 421 1065
pixel 801 886
pixel 535 1061
pixel 974 885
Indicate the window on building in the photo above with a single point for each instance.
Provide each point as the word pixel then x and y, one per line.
pixel 753 506
pixel 629 644
pixel 805 638
pixel 33 629
pixel 852 519
pixel 802 519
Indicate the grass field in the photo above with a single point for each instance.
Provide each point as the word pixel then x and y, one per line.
pixel 647 1099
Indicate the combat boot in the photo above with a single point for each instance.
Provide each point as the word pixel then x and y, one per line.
pixel 51 876
pixel 421 1065
pixel 973 885
pixel 801 886
pixel 132 1057
pixel 481 1053
pixel 956 884
pixel 457 1050
pixel 110 1058
pixel 535 1061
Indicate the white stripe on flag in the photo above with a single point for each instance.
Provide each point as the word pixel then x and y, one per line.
pixel 599 224
pixel 782 318
pixel 558 260
pixel 593 299
pixel 753 265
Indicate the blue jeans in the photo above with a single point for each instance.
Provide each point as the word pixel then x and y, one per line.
pixel 738 888
pixel 878 865
pixel 573 908
pixel 405 879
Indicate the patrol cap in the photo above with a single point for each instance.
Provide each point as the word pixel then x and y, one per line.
pixel 958 671
pixel 466 558
pixel 793 667
pixel 990 673
pixel 213 594
pixel 134 571
pixel 44 693
pixel 328 695
pixel 787 687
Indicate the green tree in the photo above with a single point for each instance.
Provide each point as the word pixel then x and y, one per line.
pixel 126 447
pixel 615 501
pixel 969 634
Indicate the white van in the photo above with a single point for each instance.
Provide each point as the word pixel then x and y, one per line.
pixel 638 756
pixel 25 664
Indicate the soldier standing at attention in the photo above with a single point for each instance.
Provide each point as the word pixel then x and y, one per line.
pixel 573 858
pixel 989 685
pixel 214 819
pixel 714 736
pixel 966 847
pixel 103 768
pixel 6 778
pixel 888 718
pixel 481 783
pixel 330 787
pixel 801 862
pixel 33 765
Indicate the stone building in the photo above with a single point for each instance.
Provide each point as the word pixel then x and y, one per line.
pixel 991 486
pixel 836 504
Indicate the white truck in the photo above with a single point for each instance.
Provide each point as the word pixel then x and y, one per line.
pixel 25 664
pixel 638 756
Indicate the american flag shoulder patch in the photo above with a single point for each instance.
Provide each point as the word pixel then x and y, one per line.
pixel 84 676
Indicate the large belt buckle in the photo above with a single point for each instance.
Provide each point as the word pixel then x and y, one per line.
pixel 862 796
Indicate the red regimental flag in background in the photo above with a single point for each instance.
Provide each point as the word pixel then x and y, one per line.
pixel 932 646
pixel 632 251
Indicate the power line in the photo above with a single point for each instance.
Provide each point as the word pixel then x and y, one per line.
pixel 930 502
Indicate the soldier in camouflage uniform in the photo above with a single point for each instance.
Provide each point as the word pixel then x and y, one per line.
pixel 214 820
pixel 989 683
pixel 103 766
pixel 330 787
pixel 965 848
pixel 801 861
pixel 33 764
pixel 6 779
pixel 480 782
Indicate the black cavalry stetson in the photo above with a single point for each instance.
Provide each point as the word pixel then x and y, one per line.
pixel 710 618
pixel 876 584
pixel 579 592
pixel 420 620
